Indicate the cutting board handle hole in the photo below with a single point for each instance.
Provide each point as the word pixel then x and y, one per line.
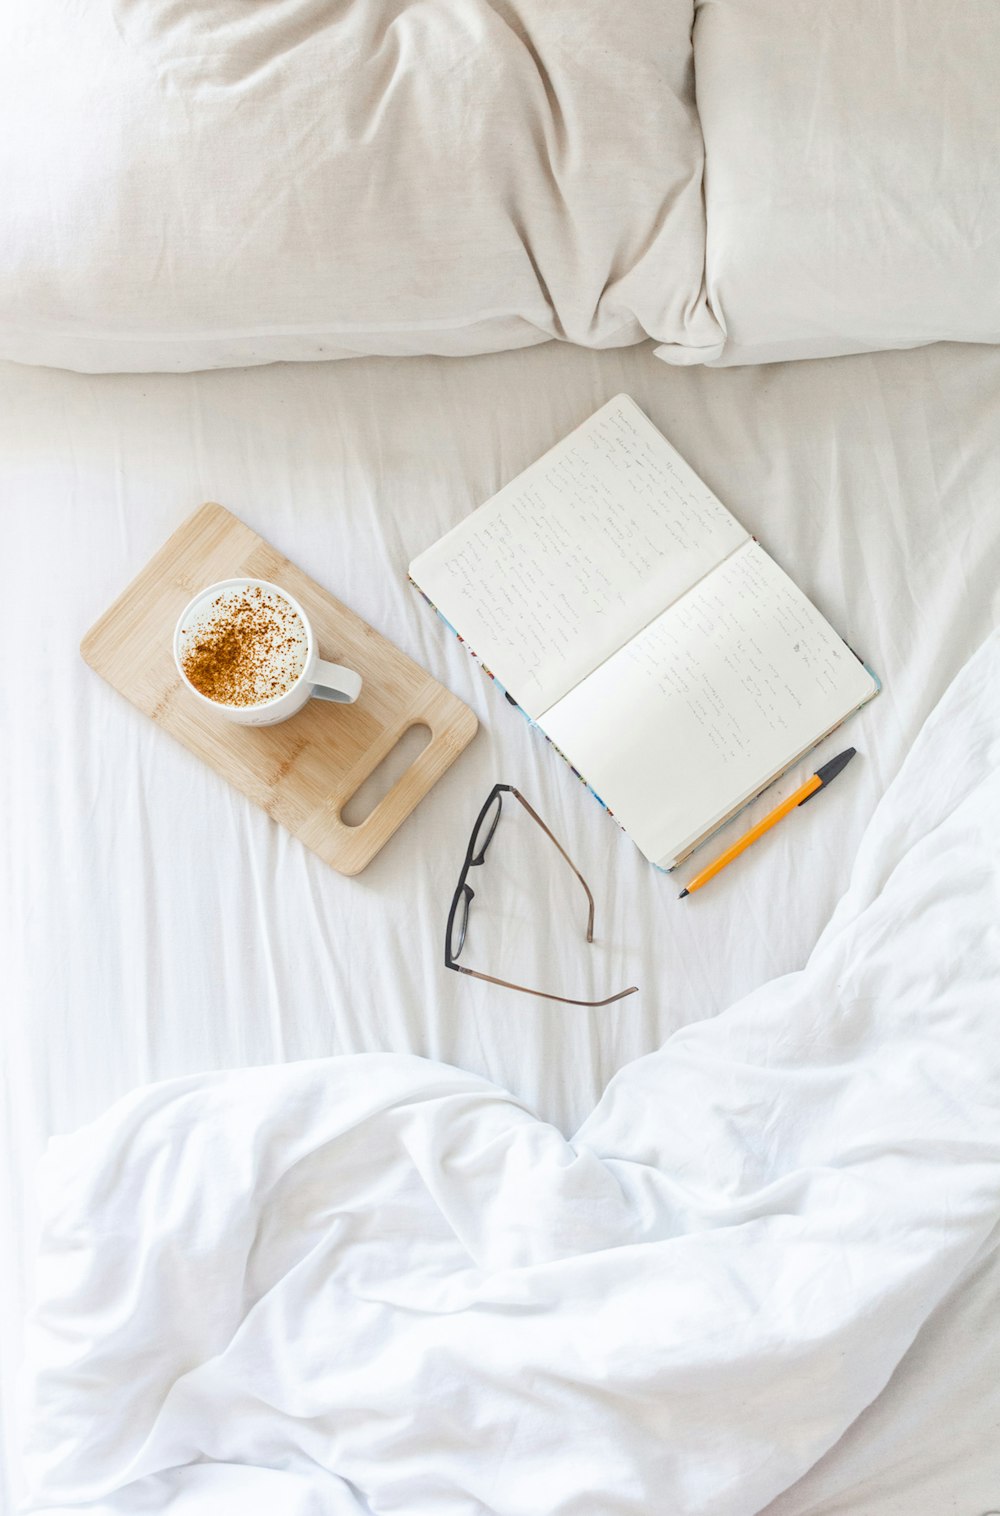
pixel 382 778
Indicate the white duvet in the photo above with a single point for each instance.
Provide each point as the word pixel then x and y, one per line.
pixel 378 1284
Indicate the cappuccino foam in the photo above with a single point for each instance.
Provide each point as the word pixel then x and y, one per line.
pixel 243 647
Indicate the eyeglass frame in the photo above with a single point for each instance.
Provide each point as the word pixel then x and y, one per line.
pixel 463 890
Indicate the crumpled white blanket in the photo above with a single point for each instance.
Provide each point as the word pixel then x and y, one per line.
pixel 377 1284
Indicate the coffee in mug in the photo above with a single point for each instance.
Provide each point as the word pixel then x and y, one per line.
pixel 246 648
pixel 243 647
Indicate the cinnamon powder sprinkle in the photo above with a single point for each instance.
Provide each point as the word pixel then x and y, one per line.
pixel 247 648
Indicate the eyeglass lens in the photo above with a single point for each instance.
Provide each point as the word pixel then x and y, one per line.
pixel 481 839
pixel 459 923
pixel 485 828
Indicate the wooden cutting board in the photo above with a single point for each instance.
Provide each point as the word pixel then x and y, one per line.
pixel 303 771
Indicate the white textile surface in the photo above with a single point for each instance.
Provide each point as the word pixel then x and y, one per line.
pixel 375 1283
pixel 155 925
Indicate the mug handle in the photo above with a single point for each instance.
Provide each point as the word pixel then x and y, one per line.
pixel 330 681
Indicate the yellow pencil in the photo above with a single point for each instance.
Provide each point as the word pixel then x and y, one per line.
pixel 812 786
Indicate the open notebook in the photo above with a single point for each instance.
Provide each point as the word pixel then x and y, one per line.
pixel 648 635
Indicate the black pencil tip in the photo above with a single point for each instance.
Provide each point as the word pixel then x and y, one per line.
pixel 683 893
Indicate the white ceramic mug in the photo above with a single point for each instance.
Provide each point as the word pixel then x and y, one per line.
pixel 325 681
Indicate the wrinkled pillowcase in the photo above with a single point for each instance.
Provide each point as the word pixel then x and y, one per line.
pixel 200 186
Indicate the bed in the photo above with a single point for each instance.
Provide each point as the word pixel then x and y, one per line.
pixel 181 931
pixel 725 186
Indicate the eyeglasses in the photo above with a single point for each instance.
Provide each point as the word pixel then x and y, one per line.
pixel 458 917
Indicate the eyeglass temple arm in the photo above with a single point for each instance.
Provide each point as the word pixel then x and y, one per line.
pixel 542 994
pixel 590 899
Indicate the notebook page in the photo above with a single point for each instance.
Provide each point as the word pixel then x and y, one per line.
pixel 577 554
pixel 707 703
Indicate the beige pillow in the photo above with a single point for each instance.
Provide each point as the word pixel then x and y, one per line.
pixel 198 185
pixel 853 173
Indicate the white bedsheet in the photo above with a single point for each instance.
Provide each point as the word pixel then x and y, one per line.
pixel 155 925
pixel 390 1287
